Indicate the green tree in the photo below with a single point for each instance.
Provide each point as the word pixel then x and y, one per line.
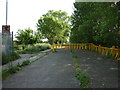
pixel 96 22
pixel 38 36
pixel 26 36
pixel 82 25
pixel 54 25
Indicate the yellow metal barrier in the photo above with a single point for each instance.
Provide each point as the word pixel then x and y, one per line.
pixel 90 46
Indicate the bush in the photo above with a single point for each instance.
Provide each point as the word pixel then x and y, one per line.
pixel 29 49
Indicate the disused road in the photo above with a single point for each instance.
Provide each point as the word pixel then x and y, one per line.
pixel 56 70
pixel 103 71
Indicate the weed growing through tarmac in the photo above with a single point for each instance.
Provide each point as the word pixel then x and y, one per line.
pixel 83 77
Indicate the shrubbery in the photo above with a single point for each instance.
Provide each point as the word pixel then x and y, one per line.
pixel 29 49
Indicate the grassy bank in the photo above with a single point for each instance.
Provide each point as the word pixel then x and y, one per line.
pixel 8 58
pixel 30 49
pixel 22 49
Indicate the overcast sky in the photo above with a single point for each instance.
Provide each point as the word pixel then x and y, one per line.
pixel 25 13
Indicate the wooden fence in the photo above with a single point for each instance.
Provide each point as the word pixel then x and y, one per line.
pixel 114 52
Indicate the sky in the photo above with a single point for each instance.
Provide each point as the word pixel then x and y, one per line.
pixel 23 14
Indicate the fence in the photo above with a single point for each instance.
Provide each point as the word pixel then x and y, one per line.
pixel 92 47
pixel 7 43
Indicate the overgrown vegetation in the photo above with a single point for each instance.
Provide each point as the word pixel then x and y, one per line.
pixel 30 49
pixel 12 70
pixel 21 49
pixel 9 58
pixel 83 77
pixel 96 22
pixel 28 36
pixel 27 62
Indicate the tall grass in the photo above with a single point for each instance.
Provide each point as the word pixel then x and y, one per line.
pixel 8 58
pixel 30 49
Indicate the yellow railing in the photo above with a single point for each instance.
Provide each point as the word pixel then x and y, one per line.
pixel 90 46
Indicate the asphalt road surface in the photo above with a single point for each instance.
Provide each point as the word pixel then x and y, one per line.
pixel 56 70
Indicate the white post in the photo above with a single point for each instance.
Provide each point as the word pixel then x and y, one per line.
pixel 6 11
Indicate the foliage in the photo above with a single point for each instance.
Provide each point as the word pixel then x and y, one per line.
pixel 27 62
pixel 38 37
pixel 7 59
pixel 95 22
pixel 29 49
pixel 83 77
pixel 27 36
pixel 74 56
pixel 13 69
pixel 54 25
pixel 6 73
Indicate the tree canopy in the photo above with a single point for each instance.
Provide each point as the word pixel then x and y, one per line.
pixel 54 25
pixel 96 22
pixel 28 36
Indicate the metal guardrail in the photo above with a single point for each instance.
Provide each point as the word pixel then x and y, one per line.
pixel 114 52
